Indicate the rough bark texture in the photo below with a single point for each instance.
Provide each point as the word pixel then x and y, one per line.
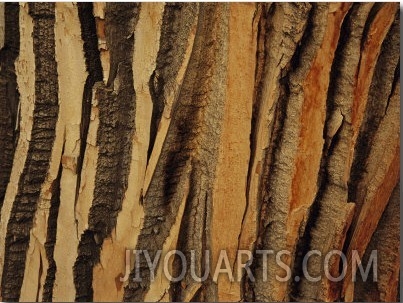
pixel 198 127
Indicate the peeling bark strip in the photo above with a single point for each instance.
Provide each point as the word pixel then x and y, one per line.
pixel 9 96
pixel 40 147
pixel 190 149
pixel 116 103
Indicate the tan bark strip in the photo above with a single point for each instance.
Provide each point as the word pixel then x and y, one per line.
pixel 229 200
pixel 106 275
pixel 191 142
pixel 25 65
pixel 168 78
pixel 248 232
pixel 68 50
pixel 45 116
pixel 385 241
pixel 88 157
pixel 48 284
pixel 76 217
pixel 382 176
pixel 277 190
pixel 87 185
pixel 75 213
pixel 71 73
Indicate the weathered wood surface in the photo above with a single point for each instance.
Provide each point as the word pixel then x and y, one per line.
pixel 197 126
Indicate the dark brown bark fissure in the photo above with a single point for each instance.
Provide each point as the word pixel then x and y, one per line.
pixel 39 151
pixel 94 69
pixel 116 103
pixel 177 22
pixel 51 232
pixel 181 156
pixel 9 96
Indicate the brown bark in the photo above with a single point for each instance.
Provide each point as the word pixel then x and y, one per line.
pixel 198 127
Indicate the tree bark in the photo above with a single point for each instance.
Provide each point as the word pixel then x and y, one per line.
pixel 198 127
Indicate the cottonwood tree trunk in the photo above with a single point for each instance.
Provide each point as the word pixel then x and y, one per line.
pixel 202 127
